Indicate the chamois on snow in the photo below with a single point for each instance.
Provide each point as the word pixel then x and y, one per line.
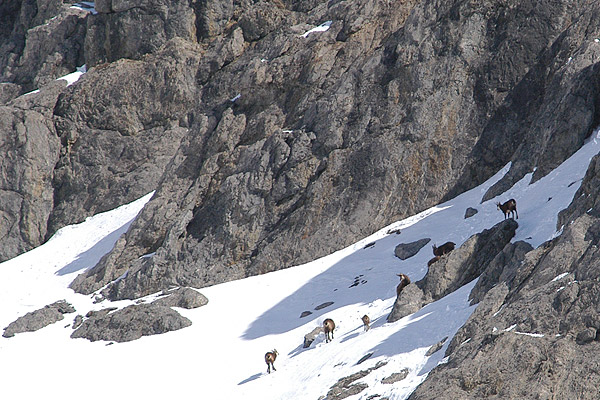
pixel 404 281
pixel 270 359
pixel 366 321
pixel 509 208
pixel 328 327
pixel 443 249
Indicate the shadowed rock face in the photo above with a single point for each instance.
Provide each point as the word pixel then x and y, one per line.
pixel 40 41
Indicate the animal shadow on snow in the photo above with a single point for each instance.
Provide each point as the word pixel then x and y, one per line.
pixel 250 379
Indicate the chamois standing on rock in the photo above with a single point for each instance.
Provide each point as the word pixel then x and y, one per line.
pixel 509 208
pixel 328 327
pixel 443 249
pixel 404 281
pixel 366 321
pixel 270 359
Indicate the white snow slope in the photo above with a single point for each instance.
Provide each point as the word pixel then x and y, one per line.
pixel 221 355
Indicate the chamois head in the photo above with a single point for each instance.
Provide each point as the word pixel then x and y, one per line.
pixel 404 281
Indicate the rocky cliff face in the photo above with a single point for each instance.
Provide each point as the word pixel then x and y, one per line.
pixel 270 147
pixel 296 146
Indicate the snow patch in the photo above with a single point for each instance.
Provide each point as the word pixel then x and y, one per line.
pixel 321 28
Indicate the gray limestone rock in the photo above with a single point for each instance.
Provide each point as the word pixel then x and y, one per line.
pixel 30 150
pixel 41 41
pixel 311 336
pixel 470 211
pixel 131 323
pixel 128 29
pixel 346 387
pixel 406 250
pixel 182 297
pixel 39 319
pixel 396 377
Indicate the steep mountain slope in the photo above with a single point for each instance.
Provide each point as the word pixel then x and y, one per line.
pixel 220 356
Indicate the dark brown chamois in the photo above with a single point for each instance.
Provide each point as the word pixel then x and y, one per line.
pixel 328 327
pixel 366 321
pixel 509 208
pixel 270 359
pixel 443 249
pixel 404 281
pixel 434 259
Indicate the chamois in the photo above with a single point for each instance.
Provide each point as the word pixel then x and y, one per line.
pixel 434 259
pixel 366 321
pixel 270 359
pixel 328 327
pixel 404 281
pixel 443 249
pixel 509 208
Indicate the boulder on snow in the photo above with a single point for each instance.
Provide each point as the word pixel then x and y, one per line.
pixel 38 319
pixel 396 377
pixel 182 297
pixel 130 323
pixel 455 269
pixel 311 336
pixel 470 212
pixel 406 250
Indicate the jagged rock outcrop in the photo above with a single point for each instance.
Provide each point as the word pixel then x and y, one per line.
pixel 347 386
pixel 130 29
pixel 40 41
pixel 116 147
pixel 130 323
pixel 537 122
pixel 30 149
pixel 455 269
pixel 39 319
pixel 295 140
pixel 534 334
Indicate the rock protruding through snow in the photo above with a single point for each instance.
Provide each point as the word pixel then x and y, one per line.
pixel 38 319
pixel 455 269
pixel 130 323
